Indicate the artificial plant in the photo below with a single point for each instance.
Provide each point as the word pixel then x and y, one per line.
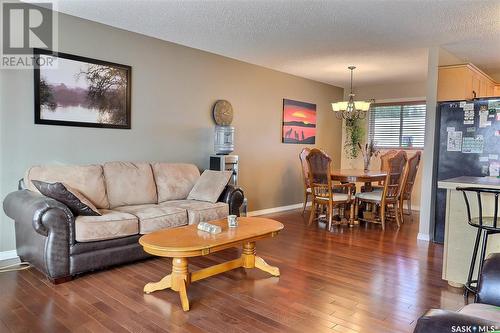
pixel 368 151
pixel 354 137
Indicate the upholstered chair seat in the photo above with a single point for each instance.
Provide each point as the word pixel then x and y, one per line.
pixel 485 311
pixel 375 196
pixel 337 197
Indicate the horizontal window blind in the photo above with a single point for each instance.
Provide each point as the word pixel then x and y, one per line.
pixel 397 125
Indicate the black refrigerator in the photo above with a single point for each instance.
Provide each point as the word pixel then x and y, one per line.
pixel 468 133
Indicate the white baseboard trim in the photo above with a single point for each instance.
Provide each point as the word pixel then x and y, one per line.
pixel 423 237
pixel 299 205
pixel 7 255
pixel 277 209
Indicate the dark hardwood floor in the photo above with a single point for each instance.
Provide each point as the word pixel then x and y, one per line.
pixel 357 279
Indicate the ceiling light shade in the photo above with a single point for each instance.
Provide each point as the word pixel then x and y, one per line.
pixel 339 106
pixel 351 109
pixel 362 105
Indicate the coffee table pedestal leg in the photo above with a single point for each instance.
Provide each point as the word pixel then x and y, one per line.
pixel 250 260
pixel 164 283
pixel 177 281
pixel 180 280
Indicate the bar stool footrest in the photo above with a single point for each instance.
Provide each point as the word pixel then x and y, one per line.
pixel 471 287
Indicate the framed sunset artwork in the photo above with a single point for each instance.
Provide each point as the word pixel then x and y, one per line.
pixel 299 122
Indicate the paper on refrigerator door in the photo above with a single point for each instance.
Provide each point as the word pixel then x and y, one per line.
pixel 494 104
pixel 468 107
pixel 494 169
pixel 468 117
pixel 454 141
pixel 483 118
pixel 473 145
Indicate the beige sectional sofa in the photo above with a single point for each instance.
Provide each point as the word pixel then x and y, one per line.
pixel 133 198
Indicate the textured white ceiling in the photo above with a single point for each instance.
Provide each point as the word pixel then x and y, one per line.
pixel 386 39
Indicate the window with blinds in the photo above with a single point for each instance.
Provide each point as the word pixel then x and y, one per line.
pixel 399 125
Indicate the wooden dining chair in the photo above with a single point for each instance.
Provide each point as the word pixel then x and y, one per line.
pixel 387 200
pixel 322 188
pixel 305 175
pixel 411 170
pixel 384 165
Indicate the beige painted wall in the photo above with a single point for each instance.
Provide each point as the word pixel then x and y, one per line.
pixel 173 90
pixel 397 91
pixel 388 93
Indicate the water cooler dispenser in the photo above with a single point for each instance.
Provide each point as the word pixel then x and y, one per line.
pixel 224 145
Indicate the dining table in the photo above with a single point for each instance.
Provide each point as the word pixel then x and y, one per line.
pixel 359 176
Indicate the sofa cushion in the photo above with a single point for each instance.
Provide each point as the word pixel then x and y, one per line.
pixel 129 183
pixel 174 180
pixel 200 211
pixel 111 224
pixel 210 186
pixel 485 311
pixel 155 217
pixel 86 179
pixel 76 202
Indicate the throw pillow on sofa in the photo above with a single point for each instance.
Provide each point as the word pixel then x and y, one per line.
pixel 61 192
pixel 210 186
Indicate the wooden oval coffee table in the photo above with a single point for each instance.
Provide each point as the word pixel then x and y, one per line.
pixel 184 242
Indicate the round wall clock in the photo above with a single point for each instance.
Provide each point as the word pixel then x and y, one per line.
pixel 223 113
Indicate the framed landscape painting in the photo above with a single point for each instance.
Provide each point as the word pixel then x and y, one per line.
pixel 78 91
pixel 299 122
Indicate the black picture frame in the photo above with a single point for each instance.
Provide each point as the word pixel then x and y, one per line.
pixel 36 76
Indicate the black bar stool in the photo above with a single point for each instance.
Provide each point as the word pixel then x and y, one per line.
pixel 486 226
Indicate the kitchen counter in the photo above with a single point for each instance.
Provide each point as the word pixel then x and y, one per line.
pixel 459 235
pixel 464 181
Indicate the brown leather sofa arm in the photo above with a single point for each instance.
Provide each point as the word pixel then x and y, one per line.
pixel 233 196
pixel 44 231
pixel 443 321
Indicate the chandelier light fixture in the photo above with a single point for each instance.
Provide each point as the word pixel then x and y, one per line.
pixel 351 109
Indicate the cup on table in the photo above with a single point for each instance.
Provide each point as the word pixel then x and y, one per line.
pixel 232 221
